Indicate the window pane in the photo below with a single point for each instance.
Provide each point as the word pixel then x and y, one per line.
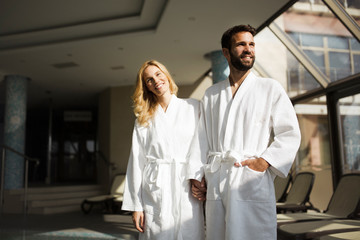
pixel 338 42
pixel 357 63
pixel 314 152
pixel 295 37
pixel 322 37
pixel 350 128
pixel 286 68
pixel 299 79
pixel 311 40
pixel 339 65
pixel 317 57
pixel 351 6
pixel 354 44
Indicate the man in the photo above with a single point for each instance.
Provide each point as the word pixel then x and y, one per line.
pixel 248 134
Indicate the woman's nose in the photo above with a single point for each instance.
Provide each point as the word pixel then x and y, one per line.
pixel 156 79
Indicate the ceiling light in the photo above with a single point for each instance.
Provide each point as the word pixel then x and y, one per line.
pixel 117 67
pixel 65 65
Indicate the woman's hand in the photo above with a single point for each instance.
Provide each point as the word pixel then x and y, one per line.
pixel 138 220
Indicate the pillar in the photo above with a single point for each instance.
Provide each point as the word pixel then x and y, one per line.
pixel 14 129
pixel 219 66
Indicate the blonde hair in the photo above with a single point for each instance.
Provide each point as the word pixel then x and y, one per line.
pixel 145 101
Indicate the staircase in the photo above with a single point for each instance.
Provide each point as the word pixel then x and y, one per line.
pixel 49 200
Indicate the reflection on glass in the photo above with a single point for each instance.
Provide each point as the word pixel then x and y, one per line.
pixel 338 42
pixel 90 145
pixel 317 57
pixel 311 40
pixel 355 46
pixel 352 7
pixel 356 59
pixel 350 128
pixel 314 151
pixel 71 147
pixel 280 64
pixel 323 38
pixel 340 66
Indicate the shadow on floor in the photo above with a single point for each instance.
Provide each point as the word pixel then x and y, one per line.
pixel 69 226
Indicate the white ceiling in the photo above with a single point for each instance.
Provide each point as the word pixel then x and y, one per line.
pixel 105 42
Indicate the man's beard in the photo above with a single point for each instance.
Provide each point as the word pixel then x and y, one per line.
pixel 236 62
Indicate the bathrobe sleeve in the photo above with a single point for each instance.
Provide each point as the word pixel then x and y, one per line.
pixel 199 148
pixel 134 174
pixel 282 151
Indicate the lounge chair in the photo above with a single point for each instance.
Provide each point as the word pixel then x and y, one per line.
pixel 281 186
pixel 298 195
pixel 106 201
pixel 344 203
pixel 316 229
pixel 344 236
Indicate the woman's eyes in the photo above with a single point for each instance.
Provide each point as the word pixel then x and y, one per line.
pixel 150 80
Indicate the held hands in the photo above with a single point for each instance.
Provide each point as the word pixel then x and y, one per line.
pixel 198 189
pixel 138 220
pixel 257 164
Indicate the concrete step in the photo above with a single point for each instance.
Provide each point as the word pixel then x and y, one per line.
pixel 56 189
pixel 63 195
pixel 50 200
pixel 54 210
pixel 55 203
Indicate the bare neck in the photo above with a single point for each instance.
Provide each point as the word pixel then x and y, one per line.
pixel 164 100
pixel 236 79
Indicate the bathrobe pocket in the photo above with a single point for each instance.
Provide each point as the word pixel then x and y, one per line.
pixel 251 185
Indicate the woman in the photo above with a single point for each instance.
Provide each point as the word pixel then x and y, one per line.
pixel 156 189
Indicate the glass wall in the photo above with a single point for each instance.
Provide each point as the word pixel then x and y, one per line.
pixel 314 152
pixel 323 38
pixel 349 108
pixel 308 50
pixel 285 68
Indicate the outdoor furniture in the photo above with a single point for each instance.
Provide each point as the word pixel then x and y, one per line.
pixel 316 229
pixel 298 195
pixel 281 186
pixel 106 201
pixel 344 203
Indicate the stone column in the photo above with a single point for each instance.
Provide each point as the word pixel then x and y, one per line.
pixel 219 66
pixel 14 129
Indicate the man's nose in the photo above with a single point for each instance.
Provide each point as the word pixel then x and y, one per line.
pixel 247 48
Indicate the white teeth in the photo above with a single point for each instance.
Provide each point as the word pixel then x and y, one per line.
pixel 158 86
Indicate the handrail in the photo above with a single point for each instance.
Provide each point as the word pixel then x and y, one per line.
pixel 27 159
pixel 111 166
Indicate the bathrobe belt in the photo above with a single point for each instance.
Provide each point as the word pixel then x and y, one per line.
pixel 153 165
pixel 217 158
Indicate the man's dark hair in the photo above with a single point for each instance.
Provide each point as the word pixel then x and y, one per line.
pixel 226 37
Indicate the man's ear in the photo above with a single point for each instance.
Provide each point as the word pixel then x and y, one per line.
pixel 226 53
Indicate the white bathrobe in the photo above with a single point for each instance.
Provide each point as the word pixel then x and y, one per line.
pixel 259 121
pixel 156 175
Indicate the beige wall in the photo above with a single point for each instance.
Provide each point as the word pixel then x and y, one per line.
pixel 116 121
pixel 103 136
pixel 121 126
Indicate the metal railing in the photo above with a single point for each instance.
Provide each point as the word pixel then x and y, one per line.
pixel 110 165
pixel 27 160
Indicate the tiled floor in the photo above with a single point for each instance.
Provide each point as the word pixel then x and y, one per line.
pixel 69 226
